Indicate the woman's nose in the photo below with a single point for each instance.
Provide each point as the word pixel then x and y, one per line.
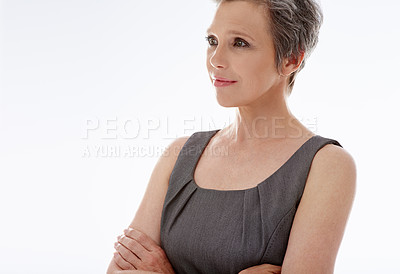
pixel 218 58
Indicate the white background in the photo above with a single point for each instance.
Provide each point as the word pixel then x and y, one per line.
pixel 68 65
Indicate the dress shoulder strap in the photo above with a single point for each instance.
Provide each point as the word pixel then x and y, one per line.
pixel 306 157
pixel 179 189
pixel 281 194
pixel 291 178
pixel 187 159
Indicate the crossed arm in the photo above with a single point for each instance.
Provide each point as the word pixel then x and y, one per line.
pixel 148 216
pixel 316 233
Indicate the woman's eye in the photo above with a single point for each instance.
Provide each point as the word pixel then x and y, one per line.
pixel 244 44
pixel 241 43
pixel 209 39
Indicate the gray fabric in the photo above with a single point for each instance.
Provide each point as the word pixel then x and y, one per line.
pixel 226 231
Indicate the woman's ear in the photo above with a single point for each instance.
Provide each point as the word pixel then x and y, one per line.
pixel 292 63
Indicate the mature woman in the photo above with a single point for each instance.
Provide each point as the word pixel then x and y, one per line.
pixel 278 197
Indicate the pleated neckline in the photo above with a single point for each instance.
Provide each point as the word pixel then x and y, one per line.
pixel 265 181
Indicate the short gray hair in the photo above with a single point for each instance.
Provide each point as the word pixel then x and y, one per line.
pixel 294 26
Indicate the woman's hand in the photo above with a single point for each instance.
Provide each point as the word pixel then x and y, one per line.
pixel 136 250
pixel 263 268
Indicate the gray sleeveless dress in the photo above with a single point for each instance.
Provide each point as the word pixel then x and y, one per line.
pixel 226 231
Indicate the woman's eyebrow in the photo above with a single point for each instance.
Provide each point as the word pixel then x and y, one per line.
pixel 236 32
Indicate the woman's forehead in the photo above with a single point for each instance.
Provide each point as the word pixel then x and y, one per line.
pixel 239 16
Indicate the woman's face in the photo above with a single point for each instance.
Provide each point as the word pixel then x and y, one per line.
pixel 241 49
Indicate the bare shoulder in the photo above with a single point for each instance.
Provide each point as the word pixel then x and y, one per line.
pixel 171 152
pixel 333 171
pixel 333 160
pixel 322 214
pixel 153 200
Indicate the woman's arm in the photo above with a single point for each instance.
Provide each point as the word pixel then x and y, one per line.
pixel 321 217
pixel 148 215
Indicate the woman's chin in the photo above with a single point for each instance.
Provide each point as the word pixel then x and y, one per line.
pixel 225 102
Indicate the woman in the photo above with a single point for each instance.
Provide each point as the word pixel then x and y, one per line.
pixel 279 199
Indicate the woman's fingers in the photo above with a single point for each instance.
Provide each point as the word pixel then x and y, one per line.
pixel 134 246
pixel 141 252
pixel 128 255
pixel 142 238
pixel 122 263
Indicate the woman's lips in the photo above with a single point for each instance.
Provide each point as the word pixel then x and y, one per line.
pixel 222 82
pixel 218 83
